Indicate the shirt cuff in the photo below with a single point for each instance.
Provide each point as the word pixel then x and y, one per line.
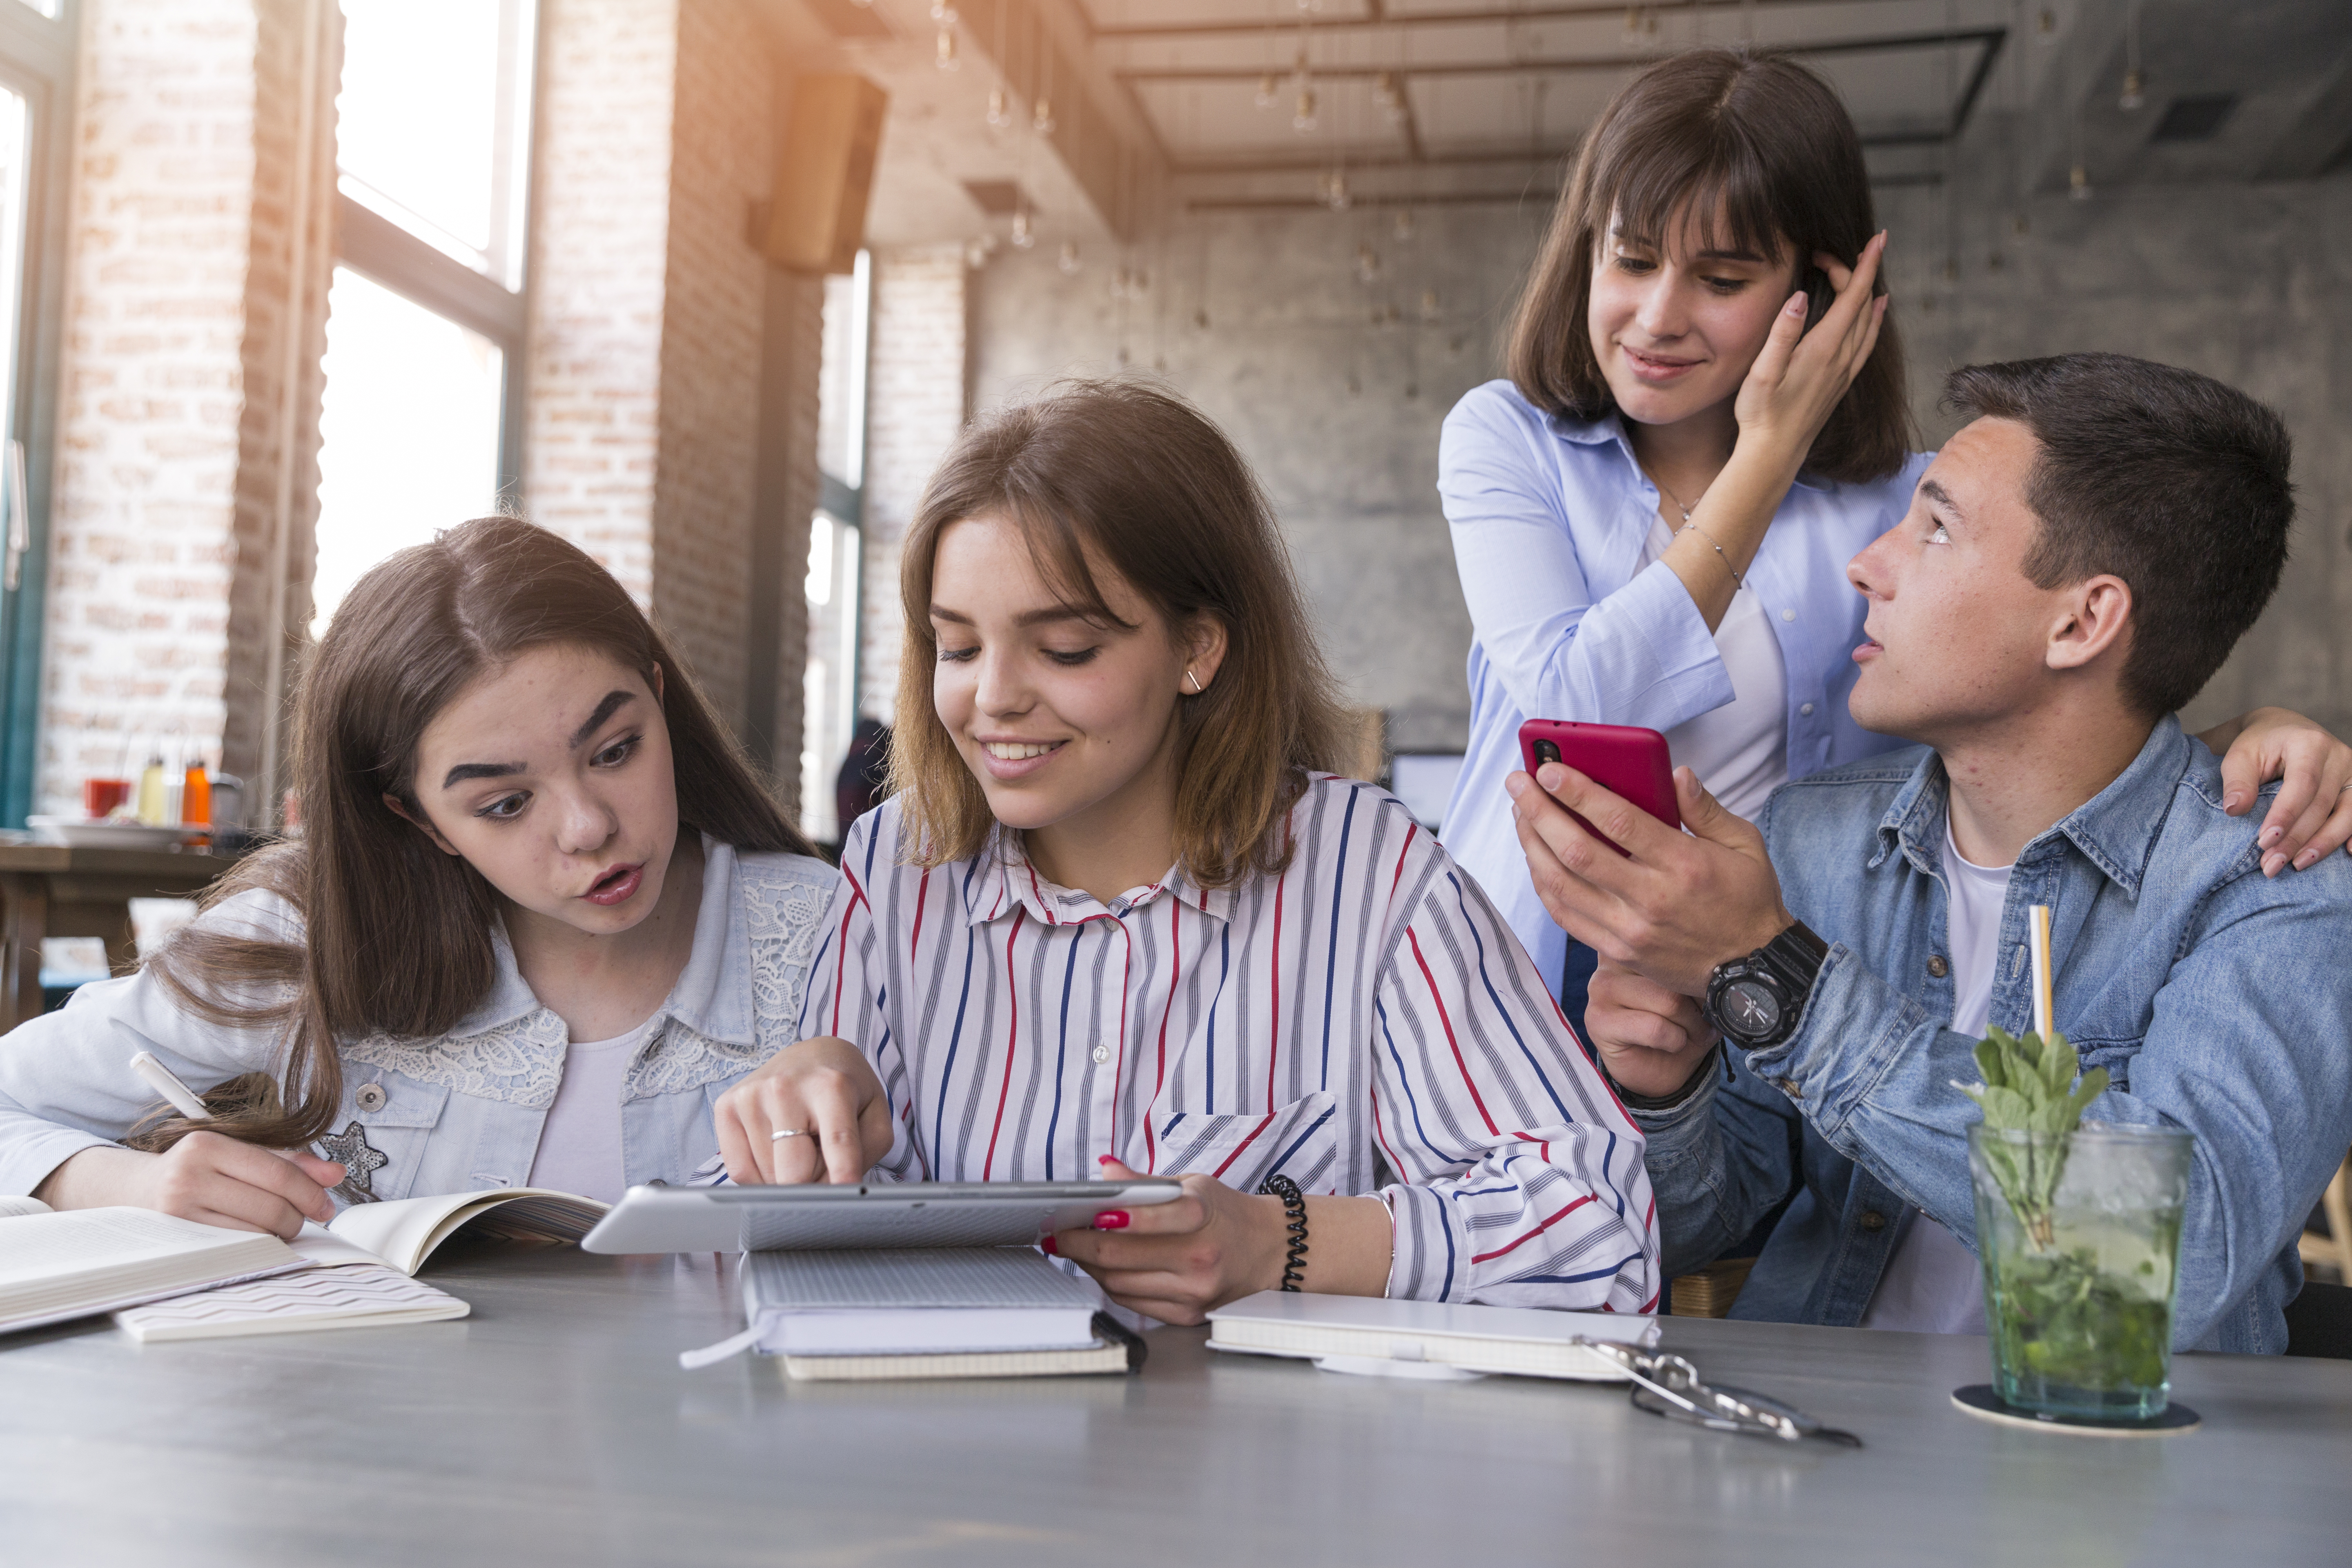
pixel 32 1159
pixel 1853 1025
pixel 1428 1263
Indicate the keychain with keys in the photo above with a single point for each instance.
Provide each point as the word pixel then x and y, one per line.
pixel 1669 1385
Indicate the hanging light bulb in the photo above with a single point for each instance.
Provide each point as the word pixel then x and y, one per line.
pixel 1068 261
pixel 946 49
pixel 999 109
pixel 1023 236
pixel 1269 91
pixel 1389 96
pixel 1118 284
pixel 1429 305
pixel 975 255
pixel 1404 225
pixel 1041 120
pixel 1303 119
pixel 2078 182
pixel 2046 25
pixel 2135 92
pixel 1368 262
pixel 1633 26
pixel 1341 199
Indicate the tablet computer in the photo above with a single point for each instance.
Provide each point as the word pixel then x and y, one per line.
pixel 883 1214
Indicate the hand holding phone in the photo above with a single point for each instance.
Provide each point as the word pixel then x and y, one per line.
pixel 1620 758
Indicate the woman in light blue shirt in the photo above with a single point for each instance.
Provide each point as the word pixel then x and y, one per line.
pixel 1706 419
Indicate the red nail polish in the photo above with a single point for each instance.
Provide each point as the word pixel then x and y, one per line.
pixel 1106 1159
pixel 1111 1219
pixel 1047 1246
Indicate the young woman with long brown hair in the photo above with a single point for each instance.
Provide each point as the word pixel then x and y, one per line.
pixel 1705 418
pixel 540 917
pixel 1118 918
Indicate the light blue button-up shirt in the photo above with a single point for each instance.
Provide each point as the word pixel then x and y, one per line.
pixel 462 1112
pixel 1550 520
pixel 2217 1000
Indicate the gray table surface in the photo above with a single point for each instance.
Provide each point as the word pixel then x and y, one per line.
pixel 554 1425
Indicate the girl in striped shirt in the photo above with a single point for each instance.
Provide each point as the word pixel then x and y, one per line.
pixel 1116 920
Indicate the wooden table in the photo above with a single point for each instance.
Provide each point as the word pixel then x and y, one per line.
pixel 47 890
pixel 554 1425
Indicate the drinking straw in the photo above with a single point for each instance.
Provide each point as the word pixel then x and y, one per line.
pixel 2037 932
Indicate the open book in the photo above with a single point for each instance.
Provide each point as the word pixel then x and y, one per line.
pixel 148 1267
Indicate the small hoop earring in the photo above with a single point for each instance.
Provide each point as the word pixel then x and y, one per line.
pixel 1198 690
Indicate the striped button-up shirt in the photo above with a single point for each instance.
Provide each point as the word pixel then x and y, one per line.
pixel 1366 1007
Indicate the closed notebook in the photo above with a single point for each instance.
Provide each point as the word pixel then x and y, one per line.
pixel 57 1267
pixel 1518 1340
pixel 923 1312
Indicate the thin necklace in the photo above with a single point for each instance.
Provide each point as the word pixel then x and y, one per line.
pixel 1675 499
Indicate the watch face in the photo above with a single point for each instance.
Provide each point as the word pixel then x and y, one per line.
pixel 1750 1009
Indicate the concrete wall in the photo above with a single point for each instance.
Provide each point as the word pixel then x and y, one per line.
pixel 1265 320
pixel 1340 416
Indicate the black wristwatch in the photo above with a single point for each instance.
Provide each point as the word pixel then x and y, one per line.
pixel 1756 1000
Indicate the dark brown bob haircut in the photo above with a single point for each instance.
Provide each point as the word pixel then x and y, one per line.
pixel 398 934
pixel 1713 150
pixel 2168 479
pixel 1119 477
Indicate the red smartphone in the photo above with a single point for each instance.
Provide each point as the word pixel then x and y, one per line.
pixel 1620 758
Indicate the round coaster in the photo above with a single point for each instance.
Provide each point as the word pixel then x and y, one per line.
pixel 1980 1401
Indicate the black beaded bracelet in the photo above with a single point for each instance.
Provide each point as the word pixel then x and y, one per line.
pixel 1294 1203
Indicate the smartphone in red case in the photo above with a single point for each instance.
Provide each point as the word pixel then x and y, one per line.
pixel 1620 758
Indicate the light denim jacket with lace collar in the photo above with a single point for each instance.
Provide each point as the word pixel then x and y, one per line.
pixel 462 1112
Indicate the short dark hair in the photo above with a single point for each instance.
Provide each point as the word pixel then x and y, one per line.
pixel 1763 143
pixel 2166 479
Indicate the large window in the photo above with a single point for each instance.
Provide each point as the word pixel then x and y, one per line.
pixel 36 47
pixel 834 587
pixel 422 423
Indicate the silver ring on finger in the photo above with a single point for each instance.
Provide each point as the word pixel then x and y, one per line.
pixel 780 1133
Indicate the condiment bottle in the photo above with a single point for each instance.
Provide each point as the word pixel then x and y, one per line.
pixel 197 797
pixel 153 803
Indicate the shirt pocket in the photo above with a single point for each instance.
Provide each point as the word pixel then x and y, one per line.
pixel 1300 1141
pixel 395 1116
pixel 2115 1055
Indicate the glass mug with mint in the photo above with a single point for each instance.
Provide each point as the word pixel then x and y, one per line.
pixel 2079 1231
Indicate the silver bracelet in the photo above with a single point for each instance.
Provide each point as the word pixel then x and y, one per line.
pixel 1736 581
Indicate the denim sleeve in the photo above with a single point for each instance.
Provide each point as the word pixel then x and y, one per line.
pixel 1641 656
pixel 2243 1049
pixel 1718 1162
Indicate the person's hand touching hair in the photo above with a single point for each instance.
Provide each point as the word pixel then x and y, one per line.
pixel 824 1095
pixel 1799 377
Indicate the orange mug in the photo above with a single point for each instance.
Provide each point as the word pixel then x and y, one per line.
pixel 100 796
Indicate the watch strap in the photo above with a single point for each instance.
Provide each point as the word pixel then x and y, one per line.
pixel 1797 956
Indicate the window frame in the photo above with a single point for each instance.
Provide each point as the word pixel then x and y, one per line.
pixel 39 56
pixel 421 272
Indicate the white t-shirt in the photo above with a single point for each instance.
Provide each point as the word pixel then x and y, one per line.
pixel 1739 751
pixel 1932 1284
pixel 580 1142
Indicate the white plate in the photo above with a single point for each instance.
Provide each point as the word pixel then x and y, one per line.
pixel 81 833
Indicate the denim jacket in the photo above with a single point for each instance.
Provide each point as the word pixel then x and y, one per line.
pixel 2217 1000
pixel 461 1112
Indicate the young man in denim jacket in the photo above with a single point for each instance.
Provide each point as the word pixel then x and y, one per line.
pixel 2078 561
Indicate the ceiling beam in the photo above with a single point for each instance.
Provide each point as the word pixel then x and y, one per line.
pixel 1565 65
pixel 1379 18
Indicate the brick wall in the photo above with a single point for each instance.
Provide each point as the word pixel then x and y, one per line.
pixel 599 251
pixel 722 152
pixel 177 271
pixel 649 305
pixel 914 409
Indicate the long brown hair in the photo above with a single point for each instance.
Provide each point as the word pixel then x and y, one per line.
pixel 397 936
pixel 1755 143
pixel 1145 485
